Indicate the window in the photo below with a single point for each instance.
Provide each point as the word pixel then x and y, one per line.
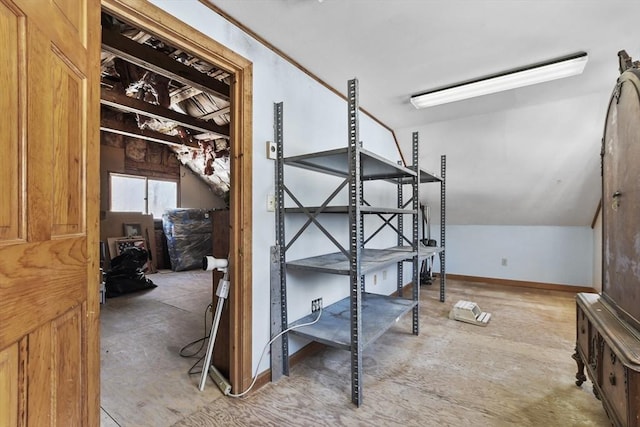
pixel 130 193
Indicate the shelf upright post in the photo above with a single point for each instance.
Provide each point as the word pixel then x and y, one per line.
pixel 400 233
pixel 355 239
pixel 443 221
pixel 361 243
pixel 415 186
pixel 280 234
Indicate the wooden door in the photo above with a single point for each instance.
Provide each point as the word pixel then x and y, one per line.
pixel 49 193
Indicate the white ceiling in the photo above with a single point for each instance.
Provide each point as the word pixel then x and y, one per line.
pixel 397 48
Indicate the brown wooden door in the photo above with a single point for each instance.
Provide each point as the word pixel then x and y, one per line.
pixel 49 192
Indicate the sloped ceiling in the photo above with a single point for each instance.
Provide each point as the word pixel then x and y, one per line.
pixel 528 156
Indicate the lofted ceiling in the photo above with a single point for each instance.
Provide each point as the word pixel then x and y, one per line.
pixel 152 91
pixel 527 156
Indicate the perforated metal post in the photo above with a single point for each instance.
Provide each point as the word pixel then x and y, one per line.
pixel 276 310
pixel 355 239
pixel 415 186
pixel 400 234
pixel 280 232
pixel 361 243
pixel 443 221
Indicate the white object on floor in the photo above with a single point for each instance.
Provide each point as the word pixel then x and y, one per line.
pixel 467 311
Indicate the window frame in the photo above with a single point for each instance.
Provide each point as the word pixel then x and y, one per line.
pixel 146 189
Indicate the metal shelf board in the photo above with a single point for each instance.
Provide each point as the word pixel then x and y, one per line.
pixel 425 176
pixel 426 251
pixel 379 313
pixel 338 263
pixel 336 162
pixel 345 209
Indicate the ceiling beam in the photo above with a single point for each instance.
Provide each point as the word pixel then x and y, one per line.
pixel 133 105
pixel 183 94
pixel 132 131
pixel 214 114
pixel 153 60
pixel 140 37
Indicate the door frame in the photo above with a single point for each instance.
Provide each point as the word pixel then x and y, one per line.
pixel 156 21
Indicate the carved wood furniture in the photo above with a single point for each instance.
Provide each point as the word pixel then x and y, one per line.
pixel 610 350
pixel 608 324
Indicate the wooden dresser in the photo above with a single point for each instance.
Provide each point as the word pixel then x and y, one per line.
pixel 610 350
pixel 608 324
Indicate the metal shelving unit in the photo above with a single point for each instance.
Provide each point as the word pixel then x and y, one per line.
pixel 357 320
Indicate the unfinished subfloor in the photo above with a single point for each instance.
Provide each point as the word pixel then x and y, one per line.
pixel 517 371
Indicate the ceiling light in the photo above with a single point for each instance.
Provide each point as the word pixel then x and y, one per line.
pixel 558 68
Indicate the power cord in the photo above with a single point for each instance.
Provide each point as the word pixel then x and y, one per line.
pixel 192 343
pixel 255 374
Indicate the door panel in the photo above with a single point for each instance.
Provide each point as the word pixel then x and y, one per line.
pixel 9 386
pixel 10 173
pixel 68 91
pixel 55 354
pixel 49 311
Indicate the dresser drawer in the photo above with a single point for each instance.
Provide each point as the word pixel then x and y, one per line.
pixel 583 333
pixel 614 384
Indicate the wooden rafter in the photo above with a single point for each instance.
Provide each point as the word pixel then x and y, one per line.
pixel 126 129
pixel 214 114
pixel 140 37
pixel 183 94
pixel 159 63
pixel 132 105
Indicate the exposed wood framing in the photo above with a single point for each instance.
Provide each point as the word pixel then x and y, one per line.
pixel 183 93
pixel 116 126
pixel 140 37
pixel 132 105
pixel 150 59
pixel 215 114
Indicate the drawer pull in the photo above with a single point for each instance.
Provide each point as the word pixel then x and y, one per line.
pixel 582 330
pixel 612 379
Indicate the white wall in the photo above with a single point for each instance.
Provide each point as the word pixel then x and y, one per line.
pixel 597 253
pixel 558 255
pixel 314 119
pixel 511 193
pixel 194 193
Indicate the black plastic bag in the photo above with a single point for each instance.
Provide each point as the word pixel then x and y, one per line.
pixel 126 275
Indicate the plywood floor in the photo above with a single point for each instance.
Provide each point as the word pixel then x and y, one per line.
pixel 517 371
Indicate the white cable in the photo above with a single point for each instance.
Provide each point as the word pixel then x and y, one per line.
pixel 255 374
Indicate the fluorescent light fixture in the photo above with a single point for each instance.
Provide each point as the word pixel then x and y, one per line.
pixel 558 68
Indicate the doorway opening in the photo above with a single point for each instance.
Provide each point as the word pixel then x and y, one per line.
pixel 161 111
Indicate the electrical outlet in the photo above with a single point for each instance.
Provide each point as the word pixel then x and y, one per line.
pixel 316 305
pixel 504 262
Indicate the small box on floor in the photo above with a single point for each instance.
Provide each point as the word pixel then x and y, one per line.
pixel 467 311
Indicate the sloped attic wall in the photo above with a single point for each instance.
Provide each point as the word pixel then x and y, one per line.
pixel 525 184
pixel 314 119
